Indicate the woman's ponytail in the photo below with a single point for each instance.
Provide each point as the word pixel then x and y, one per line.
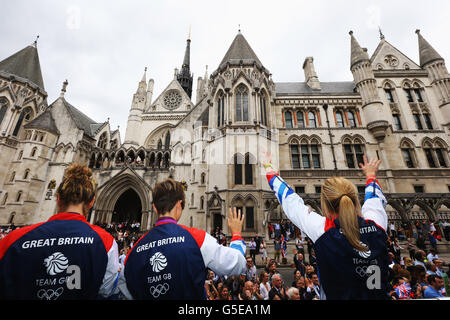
pixel 339 196
pixel 348 220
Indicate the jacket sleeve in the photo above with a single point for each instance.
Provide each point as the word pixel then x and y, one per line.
pixel 110 280
pixel 374 207
pixel 224 260
pixel 311 223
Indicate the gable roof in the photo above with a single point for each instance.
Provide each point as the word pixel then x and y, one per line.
pixel 383 44
pixel 24 64
pixel 44 121
pixel 82 121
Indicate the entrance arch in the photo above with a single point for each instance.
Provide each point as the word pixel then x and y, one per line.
pixel 126 184
pixel 128 208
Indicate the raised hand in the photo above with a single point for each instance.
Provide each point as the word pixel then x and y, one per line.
pixel 235 221
pixel 370 168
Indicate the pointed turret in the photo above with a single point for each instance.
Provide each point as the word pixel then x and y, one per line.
pixel 358 54
pixel 184 77
pixel 135 116
pixel 24 64
pixel 431 61
pixel 427 53
pixel 366 85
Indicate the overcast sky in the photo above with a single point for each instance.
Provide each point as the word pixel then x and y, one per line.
pixel 102 47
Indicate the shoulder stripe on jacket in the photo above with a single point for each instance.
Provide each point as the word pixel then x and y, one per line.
pixel 15 235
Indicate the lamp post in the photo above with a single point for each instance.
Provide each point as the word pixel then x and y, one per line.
pixel 325 107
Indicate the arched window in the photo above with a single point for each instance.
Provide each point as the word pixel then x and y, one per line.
pixel 19 196
pixel 427 119
pixel 248 169
pixel 397 121
pixel 192 200
pixel 5 198
pixel 114 144
pixel 24 115
pixel 416 117
pixel 11 218
pixel 102 141
pixel 408 154
pixel 354 153
pixel 159 144
pixel 12 177
pixel 339 119
pixel 221 110
pixel 238 166
pixel 241 103
pixel 167 141
pixel 249 215
pixel 389 94
pixel 33 152
pixel 27 173
pixel 300 119
pixel 312 119
pixel 3 108
pixel 202 203
pixel 288 119
pixel 202 179
pixel 309 151
pixel 436 155
pixel 428 149
pixel 418 94
pixel 262 103
pixel 20 155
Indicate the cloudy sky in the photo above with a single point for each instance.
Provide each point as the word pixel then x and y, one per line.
pixel 102 47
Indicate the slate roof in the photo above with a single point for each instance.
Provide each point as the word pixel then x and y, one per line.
pixel 44 121
pixel 240 50
pixel 24 64
pixel 300 88
pixel 82 121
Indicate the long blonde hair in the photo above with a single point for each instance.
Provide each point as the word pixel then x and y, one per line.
pixel 340 196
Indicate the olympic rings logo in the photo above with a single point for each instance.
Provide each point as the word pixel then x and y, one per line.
pixel 362 271
pixel 50 294
pixel 160 289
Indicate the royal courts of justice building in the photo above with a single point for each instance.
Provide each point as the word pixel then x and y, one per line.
pixel 395 109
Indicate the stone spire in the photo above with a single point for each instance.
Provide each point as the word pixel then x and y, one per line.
pixel 358 54
pixel 427 53
pixel 184 77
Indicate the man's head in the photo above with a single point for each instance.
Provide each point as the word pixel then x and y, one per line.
pixel 276 281
pixel 418 255
pixel 273 267
pixel 433 251
pixel 300 282
pixel 249 262
pixel 436 281
pixel 248 285
pixel 300 256
pixel 293 294
pixel 168 197
pixel 315 279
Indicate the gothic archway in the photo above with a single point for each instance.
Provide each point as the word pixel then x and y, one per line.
pixel 114 192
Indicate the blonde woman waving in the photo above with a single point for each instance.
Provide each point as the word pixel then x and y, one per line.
pixel 349 240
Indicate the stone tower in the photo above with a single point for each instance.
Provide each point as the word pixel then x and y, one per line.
pixel 431 61
pixel 366 85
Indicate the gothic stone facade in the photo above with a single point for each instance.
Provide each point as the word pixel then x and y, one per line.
pixel 395 110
